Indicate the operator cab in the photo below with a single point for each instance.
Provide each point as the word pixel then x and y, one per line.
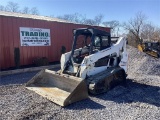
pixel 88 41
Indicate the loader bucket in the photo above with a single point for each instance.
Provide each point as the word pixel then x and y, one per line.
pixel 61 89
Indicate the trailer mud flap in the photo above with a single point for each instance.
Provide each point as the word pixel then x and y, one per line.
pixel 61 89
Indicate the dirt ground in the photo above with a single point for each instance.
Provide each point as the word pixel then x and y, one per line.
pixel 139 99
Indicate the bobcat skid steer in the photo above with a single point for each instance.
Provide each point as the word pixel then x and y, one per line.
pixel 94 65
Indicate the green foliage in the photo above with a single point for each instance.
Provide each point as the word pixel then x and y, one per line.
pixel 17 57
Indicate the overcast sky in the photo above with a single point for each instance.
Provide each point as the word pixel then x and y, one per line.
pixel 121 10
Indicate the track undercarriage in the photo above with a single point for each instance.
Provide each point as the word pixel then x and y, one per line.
pixel 106 80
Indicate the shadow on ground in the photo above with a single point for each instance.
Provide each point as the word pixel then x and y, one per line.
pixel 19 78
pixel 87 103
pixel 133 92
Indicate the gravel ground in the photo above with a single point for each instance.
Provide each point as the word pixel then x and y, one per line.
pixel 140 99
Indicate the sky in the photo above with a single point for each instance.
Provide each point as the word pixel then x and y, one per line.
pixel 121 10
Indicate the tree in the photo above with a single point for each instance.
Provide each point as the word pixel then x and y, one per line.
pixel 89 22
pixel 26 10
pixel 34 11
pixel 78 18
pixel 157 34
pixel 147 31
pixel 131 39
pixel 75 18
pixel 114 25
pixel 151 32
pixel 134 25
pixel 12 7
pixel 98 19
pixel 68 17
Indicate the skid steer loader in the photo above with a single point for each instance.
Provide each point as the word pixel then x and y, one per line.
pixel 151 48
pixel 94 65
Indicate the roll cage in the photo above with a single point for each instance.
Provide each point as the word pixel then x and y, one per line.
pixel 99 39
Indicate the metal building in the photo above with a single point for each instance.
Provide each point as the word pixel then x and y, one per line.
pixel 16 30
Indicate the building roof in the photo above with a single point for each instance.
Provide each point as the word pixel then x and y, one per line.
pixel 21 15
pixel 38 17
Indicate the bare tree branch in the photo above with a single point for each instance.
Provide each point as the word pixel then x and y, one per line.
pixel 78 18
pixel 98 19
pixel 26 10
pixel 12 7
pixel 75 18
pixel 89 22
pixel 114 24
pixel 135 25
pixel 34 11
pixel 150 32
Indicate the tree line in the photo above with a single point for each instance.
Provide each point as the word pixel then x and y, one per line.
pixel 98 20
pixel 140 29
pixel 136 29
pixel 14 7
